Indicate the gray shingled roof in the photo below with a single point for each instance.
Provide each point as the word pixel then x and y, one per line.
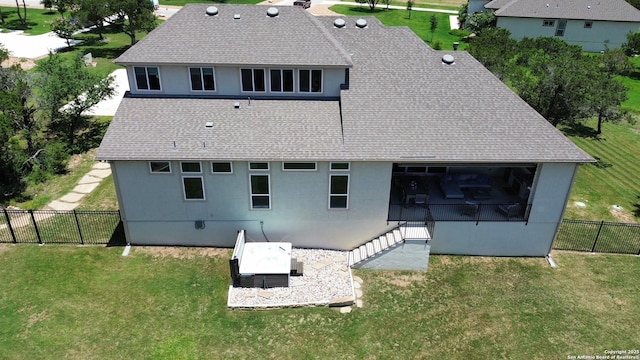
pixel 191 37
pixel 605 10
pixel 403 104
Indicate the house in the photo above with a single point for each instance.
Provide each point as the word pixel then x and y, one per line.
pixel 595 25
pixel 328 133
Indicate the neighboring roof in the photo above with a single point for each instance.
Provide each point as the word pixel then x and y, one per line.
pixel 403 104
pixel 192 37
pixel 603 10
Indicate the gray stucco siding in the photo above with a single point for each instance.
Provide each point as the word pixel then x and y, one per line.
pixel 175 80
pixel 156 213
pixel 602 34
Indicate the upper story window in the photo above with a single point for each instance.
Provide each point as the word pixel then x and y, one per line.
pixel 221 167
pixel 588 24
pixel 202 79
pixel 339 166
pixel 191 167
pixel 252 80
pixel 258 166
pixel 548 22
pixel 299 166
pixel 147 77
pixel 160 167
pixel 310 81
pixel 281 80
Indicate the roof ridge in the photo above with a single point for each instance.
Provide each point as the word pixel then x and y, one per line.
pixel 323 30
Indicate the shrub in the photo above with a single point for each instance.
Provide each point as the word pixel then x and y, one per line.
pixel 461 33
pixel 436 45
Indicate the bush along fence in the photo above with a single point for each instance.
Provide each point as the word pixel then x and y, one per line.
pixel 598 236
pixel 61 227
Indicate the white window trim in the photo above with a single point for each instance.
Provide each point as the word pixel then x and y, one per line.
pixel 191 172
pixel 146 73
pixel 258 162
pixel 310 81
pixel 315 165
pixel 253 80
pixel 221 172
pixel 293 75
pixel 340 162
pixel 160 172
pixel 184 190
pixel 215 87
pixel 347 194
pixel 251 194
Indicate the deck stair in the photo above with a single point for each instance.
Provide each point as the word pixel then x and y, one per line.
pixel 407 232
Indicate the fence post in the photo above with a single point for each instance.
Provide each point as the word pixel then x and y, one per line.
pixel 13 235
pixel 75 215
pixel 35 226
pixel 595 241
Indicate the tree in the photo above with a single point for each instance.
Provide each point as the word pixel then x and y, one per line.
pixel 387 2
pixel 433 24
pixel 409 6
pixel 64 29
pixel 495 49
pixel 22 14
pixel 463 13
pixel 632 45
pixel 131 16
pixel 66 92
pixel 93 12
pixel 372 4
pixel 477 22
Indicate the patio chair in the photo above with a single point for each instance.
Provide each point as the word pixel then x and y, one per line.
pixel 511 210
pixel 470 207
pixel 420 199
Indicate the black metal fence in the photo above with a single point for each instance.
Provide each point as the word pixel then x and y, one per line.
pixel 598 236
pixel 61 227
pixel 468 211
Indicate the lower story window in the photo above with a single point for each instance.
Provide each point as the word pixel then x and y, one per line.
pixel 260 194
pixel 193 187
pixel 339 192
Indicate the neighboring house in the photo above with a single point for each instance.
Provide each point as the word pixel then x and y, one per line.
pixel 595 25
pixel 327 132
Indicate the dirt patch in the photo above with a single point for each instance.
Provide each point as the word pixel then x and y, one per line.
pixel 622 215
pixel 181 252
pixel 4 248
pixel 406 280
pixel 76 159
pixel 25 64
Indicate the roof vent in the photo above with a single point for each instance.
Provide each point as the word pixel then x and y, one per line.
pixel 588 7
pixel 212 11
pixel 448 59
pixel 236 105
pixel 339 23
pixel 547 5
pixel 208 124
pixel 236 16
pixel 272 12
pixel 361 23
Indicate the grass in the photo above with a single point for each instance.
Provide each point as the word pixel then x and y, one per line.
pixel 613 180
pixel 102 198
pixel 419 22
pixel 90 302
pixel 36 196
pixel 38 20
pixel 212 2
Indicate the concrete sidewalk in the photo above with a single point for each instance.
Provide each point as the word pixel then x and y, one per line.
pixel 86 185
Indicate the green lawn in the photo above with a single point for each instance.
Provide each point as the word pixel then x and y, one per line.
pixel 613 180
pixel 419 22
pixel 212 2
pixel 90 302
pixel 38 20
